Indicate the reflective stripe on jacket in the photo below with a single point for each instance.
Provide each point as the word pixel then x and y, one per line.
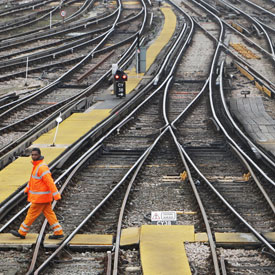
pixel 41 187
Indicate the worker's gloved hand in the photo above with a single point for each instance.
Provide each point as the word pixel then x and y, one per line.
pixel 57 196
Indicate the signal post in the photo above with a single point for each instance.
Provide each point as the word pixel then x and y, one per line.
pixel 120 77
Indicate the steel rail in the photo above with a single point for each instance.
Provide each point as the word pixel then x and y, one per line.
pixel 8 105
pixel 191 103
pixel 64 49
pixel 168 56
pixel 69 171
pixel 80 162
pixel 126 196
pixel 127 119
pixel 125 107
pixel 62 109
pixel 257 234
pixel 74 147
pixel 259 75
pixel 254 231
pixel 97 83
pixel 211 85
pixel 227 50
pixel 42 28
pixel 52 53
pixel 257 23
pixel 211 241
pixel 23 6
pixel 123 57
pixel 259 185
pixel 235 143
pixel 260 8
pixel 22 19
pixel 37 114
pixel 74 98
pixel 195 191
pixel 14 41
pixel 271 55
pixel 250 142
pixel 45 222
pixel 129 115
pixel 73 39
pixel 6 128
pixel 264 24
pixel 29 22
pixel 65 62
pixel 249 40
pixel 52 10
pixel 67 74
pixel 118 235
pixel 93 86
pixel 122 123
pixel 165 128
pixel 68 238
pixel 121 60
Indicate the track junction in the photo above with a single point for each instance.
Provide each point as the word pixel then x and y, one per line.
pixel 187 137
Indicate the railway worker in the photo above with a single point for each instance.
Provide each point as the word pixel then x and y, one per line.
pixel 41 190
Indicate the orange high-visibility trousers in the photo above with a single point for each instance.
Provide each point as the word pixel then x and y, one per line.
pixel 34 211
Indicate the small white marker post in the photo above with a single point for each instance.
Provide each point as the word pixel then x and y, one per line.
pixel 50 19
pixel 27 68
pixel 58 120
pixel 137 66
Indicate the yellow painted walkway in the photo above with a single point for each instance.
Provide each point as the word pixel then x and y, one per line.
pixel 162 249
pixel 17 173
pixel 154 49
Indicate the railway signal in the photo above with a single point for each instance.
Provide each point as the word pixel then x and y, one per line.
pixel 119 83
pixel 63 14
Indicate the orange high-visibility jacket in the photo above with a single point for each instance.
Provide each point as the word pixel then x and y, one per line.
pixel 41 187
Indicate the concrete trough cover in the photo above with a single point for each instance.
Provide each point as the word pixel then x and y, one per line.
pixel 48 243
pixel 239 238
pixel 270 236
pixel 130 236
pixel 92 239
pixel 7 240
pixel 201 237
pixel 83 241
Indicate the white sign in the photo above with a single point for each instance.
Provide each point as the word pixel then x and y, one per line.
pixel 163 216
pixel 63 13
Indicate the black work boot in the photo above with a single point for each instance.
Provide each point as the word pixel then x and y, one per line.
pixel 17 234
pixel 55 237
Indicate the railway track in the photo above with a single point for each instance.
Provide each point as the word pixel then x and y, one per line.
pixel 45 16
pixel 64 93
pixel 130 140
pixel 174 122
pixel 65 55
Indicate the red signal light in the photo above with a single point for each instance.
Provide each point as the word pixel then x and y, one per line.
pixel 124 77
pixel 116 76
